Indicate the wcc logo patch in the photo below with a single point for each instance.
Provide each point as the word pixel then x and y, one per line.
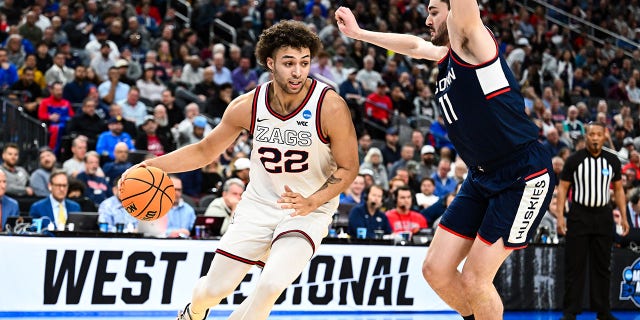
pixel 630 284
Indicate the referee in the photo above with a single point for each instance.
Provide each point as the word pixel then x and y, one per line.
pixel 589 227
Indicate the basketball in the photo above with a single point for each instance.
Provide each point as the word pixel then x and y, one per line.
pixel 147 193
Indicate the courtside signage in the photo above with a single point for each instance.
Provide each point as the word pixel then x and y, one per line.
pixel 121 275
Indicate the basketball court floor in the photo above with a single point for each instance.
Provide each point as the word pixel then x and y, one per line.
pixel 328 316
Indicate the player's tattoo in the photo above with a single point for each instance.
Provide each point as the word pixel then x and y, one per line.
pixel 331 180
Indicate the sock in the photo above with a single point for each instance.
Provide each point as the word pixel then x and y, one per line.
pixel 469 317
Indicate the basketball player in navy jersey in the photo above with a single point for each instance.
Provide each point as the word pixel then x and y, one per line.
pixel 510 181
pixel 304 154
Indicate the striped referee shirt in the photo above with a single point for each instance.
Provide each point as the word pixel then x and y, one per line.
pixel 591 177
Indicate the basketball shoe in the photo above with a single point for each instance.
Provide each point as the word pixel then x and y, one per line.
pixel 186 315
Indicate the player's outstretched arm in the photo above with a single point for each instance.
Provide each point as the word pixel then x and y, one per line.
pixel 338 127
pixel 467 33
pixel 197 155
pixel 409 45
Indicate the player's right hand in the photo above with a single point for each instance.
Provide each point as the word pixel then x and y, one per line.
pixel 124 174
pixel 347 22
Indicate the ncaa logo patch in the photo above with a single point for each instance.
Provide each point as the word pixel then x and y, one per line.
pixel 630 284
pixel 605 172
pixel 306 114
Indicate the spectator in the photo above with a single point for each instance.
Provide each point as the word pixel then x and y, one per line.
pixel 368 215
pixel 97 188
pixel 56 206
pixel 103 61
pixel 9 206
pixel 321 69
pixel 31 93
pixel 112 212
pixel 78 90
pixel 368 77
pixel 58 72
pixel 374 162
pixel 17 177
pixel 149 140
pixel 75 192
pixel 178 222
pixel 115 111
pixel 75 164
pixel 221 74
pixel 112 89
pixel 150 87
pixel 132 108
pixel 572 125
pixel 217 105
pixel 87 123
pixel 553 142
pixel 354 194
pixel 31 62
pixel 402 218
pixel 174 112
pixel 428 161
pixel 633 218
pixel 444 183
pixel 406 154
pixel 39 179
pixel 108 139
pixel 378 107
pixel 195 134
pixel 94 47
pixel 56 112
pixel 225 206
pixel 8 71
pixel 163 129
pixel 426 198
pixel 113 170
pixel 244 78
pixel 240 169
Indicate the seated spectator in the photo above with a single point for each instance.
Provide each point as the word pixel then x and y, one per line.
pixel 8 71
pixel 378 107
pixel 55 111
pixel 75 192
pixel 39 180
pixel 97 188
pixel 217 104
pixel 368 215
pixel 8 205
pixel 444 183
pixel 406 154
pixel 59 72
pixel 633 218
pixel 244 78
pixel 29 91
pixel 402 218
pixel 56 206
pixel 353 194
pixel 75 164
pixel 132 108
pixel 17 176
pixel 120 164
pixel 221 74
pixel 426 198
pixel 87 123
pixel 77 90
pixel 112 89
pixel 548 222
pixel 108 139
pixel 178 222
pixel 148 139
pixel 240 169
pixel 111 210
pixel 373 162
pixel 103 61
pixel 196 133
pixel 150 87
pixel 191 111
pixel 212 178
pixel 436 210
pixel 225 206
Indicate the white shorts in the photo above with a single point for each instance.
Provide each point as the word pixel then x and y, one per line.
pixel 256 226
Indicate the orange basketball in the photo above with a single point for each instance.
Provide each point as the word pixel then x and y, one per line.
pixel 147 193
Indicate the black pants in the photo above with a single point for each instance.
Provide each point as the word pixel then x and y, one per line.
pixel 587 247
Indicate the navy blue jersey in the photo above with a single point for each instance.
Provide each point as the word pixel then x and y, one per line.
pixel 483 109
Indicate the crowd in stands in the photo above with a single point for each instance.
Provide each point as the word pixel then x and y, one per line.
pixel 116 79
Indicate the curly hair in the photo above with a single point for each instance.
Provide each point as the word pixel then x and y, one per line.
pixel 289 33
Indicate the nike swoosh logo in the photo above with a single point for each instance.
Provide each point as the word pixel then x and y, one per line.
pixel 260 120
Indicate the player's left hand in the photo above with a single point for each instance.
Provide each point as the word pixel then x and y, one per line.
pixel 292 200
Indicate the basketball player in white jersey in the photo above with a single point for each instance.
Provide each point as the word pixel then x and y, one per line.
pixel 304 154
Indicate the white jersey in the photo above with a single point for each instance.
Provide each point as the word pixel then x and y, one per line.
pixel 289 150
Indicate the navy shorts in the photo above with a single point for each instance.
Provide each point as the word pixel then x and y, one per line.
pixel 507 202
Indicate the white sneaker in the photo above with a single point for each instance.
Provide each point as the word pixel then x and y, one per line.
pixel 186 315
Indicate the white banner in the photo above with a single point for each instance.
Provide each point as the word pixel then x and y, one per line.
pixel 41 274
